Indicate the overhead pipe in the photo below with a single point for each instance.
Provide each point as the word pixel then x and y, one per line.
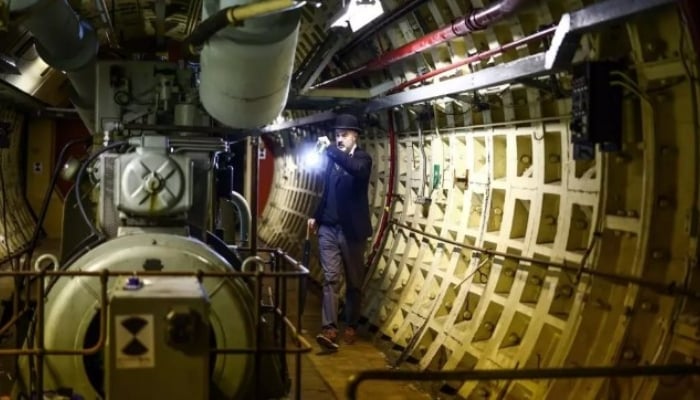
pixel 476 20
pixel 379 24
pixel 65 43
pixel 244 215
pixel 257 40
pixel 102 8
pixel 474 58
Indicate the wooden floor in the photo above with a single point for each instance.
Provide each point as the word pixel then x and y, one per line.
pixel 325 375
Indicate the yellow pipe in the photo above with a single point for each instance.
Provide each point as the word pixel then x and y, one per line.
pixel 238 14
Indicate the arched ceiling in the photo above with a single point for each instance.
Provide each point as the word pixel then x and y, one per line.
pixel 126 27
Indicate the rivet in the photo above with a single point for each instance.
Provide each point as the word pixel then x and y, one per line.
pixel 448 306
pixel 554 158
pixel 566 291
pixel 509 272
pixel 665 151
pixel 619 159
pixel 525 159
pixel 394 328
pixel 488 326
pixel 513 339
pixel 581 224
pixel 647 306
pixel 497 211
pixel 601 304
pixel 550 220
pixel 658 254
pixel 632 214
pixel 629 354
pixel 432 296
pixel 467 315
pixel 535 280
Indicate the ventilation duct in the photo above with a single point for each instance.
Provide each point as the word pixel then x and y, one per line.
pixel 66 44
pixel 247 69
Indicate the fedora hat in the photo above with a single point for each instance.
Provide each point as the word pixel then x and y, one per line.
pixel 347 121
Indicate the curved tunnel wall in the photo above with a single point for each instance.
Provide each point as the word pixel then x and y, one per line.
pixel 508 183
pixel 19 221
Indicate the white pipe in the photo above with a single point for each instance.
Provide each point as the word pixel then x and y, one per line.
pixel 246 70
pixel 244 214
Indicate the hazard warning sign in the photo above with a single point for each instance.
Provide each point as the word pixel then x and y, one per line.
pixel 133 341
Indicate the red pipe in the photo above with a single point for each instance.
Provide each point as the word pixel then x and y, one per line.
pixel 474 21
pixel 389 193
pixel 476 57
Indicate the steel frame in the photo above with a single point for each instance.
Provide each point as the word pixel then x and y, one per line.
pixel 670 289
pixel 557 58
pixel 279 261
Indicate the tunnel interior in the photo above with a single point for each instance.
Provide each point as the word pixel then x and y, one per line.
pixel 534 190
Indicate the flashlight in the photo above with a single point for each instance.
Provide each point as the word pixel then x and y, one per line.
pixel 312 159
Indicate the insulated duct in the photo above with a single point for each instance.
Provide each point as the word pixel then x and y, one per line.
pixel 65 43
pixel 247 68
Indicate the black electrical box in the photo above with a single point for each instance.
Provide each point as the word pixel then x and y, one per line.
pixel 596 109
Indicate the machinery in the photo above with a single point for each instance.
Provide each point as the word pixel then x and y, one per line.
pixel 157 175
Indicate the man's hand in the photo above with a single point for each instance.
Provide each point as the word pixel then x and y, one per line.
pixel 322 144
pixel 311 225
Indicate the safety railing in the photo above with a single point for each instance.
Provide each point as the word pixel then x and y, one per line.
pixel 280 267
pixel 516 374
pixel 579 269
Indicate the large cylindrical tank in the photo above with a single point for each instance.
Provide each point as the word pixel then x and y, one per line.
pixel 72 319
pixel 246 70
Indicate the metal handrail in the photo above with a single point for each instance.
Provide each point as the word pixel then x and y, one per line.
pixel 280 261
pixel 669 289
pixel 516 374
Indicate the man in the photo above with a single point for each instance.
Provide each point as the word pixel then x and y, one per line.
pixel 343 225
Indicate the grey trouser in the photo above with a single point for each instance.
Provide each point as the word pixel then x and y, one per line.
pixel 339 255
